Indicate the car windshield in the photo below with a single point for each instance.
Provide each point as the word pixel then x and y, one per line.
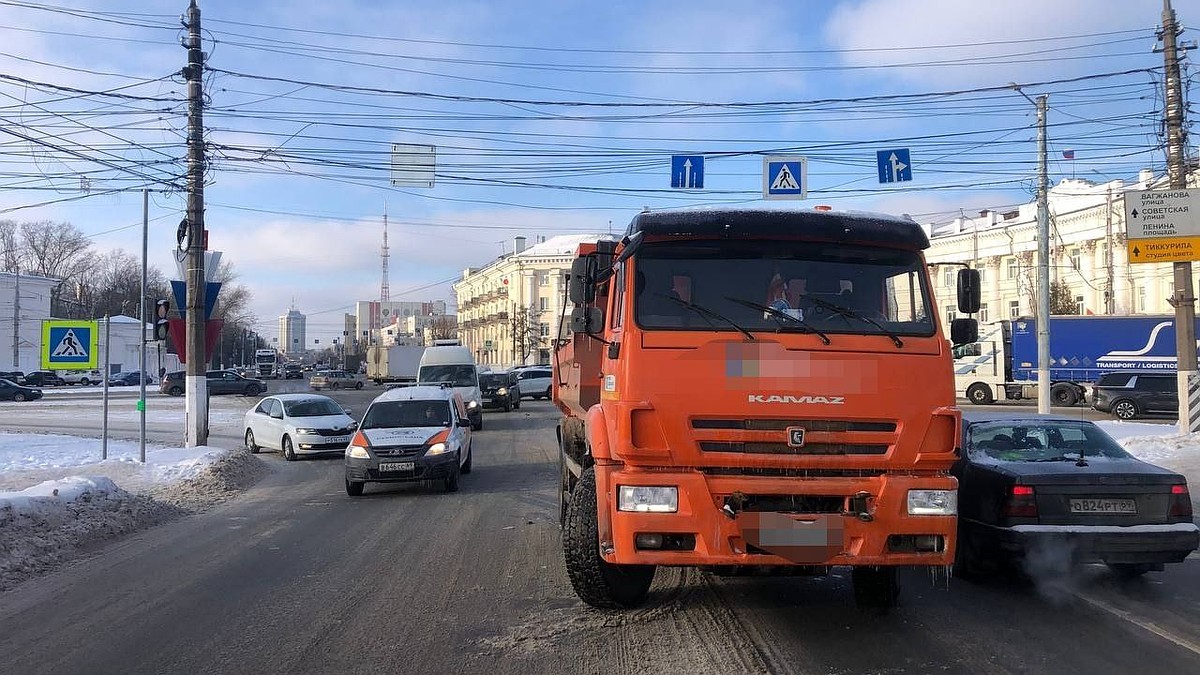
pixel 493 380
pixel 312 407
pixel 460 375
pixel 763 286
pixel 392 414
pixel 1037 441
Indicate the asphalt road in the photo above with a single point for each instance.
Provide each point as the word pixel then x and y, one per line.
pixel 296 577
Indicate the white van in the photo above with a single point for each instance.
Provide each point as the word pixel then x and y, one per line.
pixel 454 364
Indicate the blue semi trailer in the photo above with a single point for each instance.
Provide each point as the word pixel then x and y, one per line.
pixel 1003 364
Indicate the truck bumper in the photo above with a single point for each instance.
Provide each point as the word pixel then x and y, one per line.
pixel 782 521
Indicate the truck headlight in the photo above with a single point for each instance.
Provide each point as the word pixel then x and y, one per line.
pixel 357 452
pixel 932 502
pixel 647 499
pixel 436 449
pixel 502 391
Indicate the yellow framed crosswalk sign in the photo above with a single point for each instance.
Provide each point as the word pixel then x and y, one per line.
pixel 69 345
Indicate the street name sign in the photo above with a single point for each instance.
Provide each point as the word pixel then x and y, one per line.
pixel 1162 225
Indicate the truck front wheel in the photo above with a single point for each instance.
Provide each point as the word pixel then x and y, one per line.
pixel 596 582
pixel 980 394
pixel 1064 394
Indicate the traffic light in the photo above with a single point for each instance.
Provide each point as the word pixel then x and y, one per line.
pixel 162 324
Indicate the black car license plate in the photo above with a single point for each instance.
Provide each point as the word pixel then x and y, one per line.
pixel 1122 506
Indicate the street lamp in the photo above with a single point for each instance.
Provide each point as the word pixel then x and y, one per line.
pixel 1042 314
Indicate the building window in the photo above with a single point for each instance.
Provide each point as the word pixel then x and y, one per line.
pixel 948 277
pixel 983 312
pixel 982 274
pixel 1073 254
pixel 543 304
pixel 950 316
pixel 544 329
pixel 1014 309
pixel 543 278
pixel 1141 299
pixel 1080 308
pixel 1012 269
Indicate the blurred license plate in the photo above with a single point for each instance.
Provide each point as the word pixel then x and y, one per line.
pixel 397 466
pixel 338 439
pixel 1103 506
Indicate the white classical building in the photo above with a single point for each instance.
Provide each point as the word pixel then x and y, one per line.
pixel 529 281
pixel 21 319
pixel 1088 254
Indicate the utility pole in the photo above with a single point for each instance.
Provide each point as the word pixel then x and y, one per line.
pixel 196 403
pixel 17 321
pixel 1184 300
pixel 1043 269
pixel 141 405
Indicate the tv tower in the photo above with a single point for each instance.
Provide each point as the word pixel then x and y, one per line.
pixel 384 287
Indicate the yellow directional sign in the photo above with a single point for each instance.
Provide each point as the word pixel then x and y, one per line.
pixel 1163 249
pixel 69 345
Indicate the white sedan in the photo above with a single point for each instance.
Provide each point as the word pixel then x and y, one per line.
pixel 299 424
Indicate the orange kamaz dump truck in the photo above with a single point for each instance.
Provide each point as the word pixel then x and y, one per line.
pixel 754 388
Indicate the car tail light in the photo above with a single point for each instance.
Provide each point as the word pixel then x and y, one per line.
pixel 1021 503
pixel 1181 502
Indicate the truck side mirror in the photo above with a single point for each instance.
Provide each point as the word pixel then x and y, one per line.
pixel 588 320
pixel 581 287
pixel 969 291
pixel 964 331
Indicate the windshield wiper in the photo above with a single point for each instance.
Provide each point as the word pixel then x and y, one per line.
pixel 851 314
pixel 705 313
pixel 781 315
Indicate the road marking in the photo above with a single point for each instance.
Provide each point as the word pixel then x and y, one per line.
pixel 1150 626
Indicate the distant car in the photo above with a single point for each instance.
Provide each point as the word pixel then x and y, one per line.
pixel 1128 395
pixel 43 378
pixel 500 390
pixel 298 424
pixel 293 371
pixel 82 377
pixel 535 382
pixel 411 434
pixel 14 376
pixel 335 379
pixel 11 391
pixel 1041 488
pixel 217 381
pixel 130 378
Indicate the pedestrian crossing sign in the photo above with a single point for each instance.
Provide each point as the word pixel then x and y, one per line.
pixel 785 177
pixel 69 345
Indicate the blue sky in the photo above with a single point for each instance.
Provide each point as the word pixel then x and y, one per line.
pixel 548 118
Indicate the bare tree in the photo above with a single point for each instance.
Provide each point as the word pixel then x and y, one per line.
pixel 10 247
pixel 57 250
pixel 525 327
pixel 442 328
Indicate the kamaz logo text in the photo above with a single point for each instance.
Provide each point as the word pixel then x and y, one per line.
pixel 788 398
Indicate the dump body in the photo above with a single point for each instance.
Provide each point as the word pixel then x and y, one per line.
pixel 794 436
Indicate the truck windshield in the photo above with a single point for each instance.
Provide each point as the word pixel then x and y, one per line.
pixel 460 375
pixel 827 287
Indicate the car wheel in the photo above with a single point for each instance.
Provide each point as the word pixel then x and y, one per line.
pixel 335 385
pixel 175 391
pixel 980 394
pixel 288 452
pixel 354 488
pixel 84 381
pixel 250 444
pixel 450 483
pixel 252 390
pixel 1125 409
pixel 358 385
pixel 477 426
pixel 18 397
pixel 466 467
pixel 547 394
pixel 876 588
pixel 597 582
pixel 508 405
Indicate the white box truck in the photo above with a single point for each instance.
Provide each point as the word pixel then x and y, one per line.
pixel 398 363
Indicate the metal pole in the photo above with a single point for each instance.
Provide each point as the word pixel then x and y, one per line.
pixel 196 387
pixel 1184 298
pixel 104 403
pixel 1043 267
pixel 17 321
pixel 1110 288
pixel 142 332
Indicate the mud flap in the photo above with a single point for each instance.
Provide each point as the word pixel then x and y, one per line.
pixel 804 540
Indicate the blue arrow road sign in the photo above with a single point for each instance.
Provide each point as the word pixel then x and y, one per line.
pixel 687 171
pixel 894 165
pixel 785 177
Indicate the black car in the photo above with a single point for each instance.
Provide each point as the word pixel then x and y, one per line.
pixel 11 391
pixel 14 376
pixel 1057 491
pixel 1128 395
pixel 500 390
pixel 293 371
pixel 43 378
pixel 218 381
pixel 129 379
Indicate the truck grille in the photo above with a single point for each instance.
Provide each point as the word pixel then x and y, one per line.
pixel 759 448
pixel 794 503
pixel 769 472
pixel 780 425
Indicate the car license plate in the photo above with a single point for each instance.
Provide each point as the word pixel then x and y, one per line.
pixel 338 439
pixel 1103 506
pixel 397 466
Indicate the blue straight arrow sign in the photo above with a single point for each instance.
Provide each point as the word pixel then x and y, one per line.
pixel 687 171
